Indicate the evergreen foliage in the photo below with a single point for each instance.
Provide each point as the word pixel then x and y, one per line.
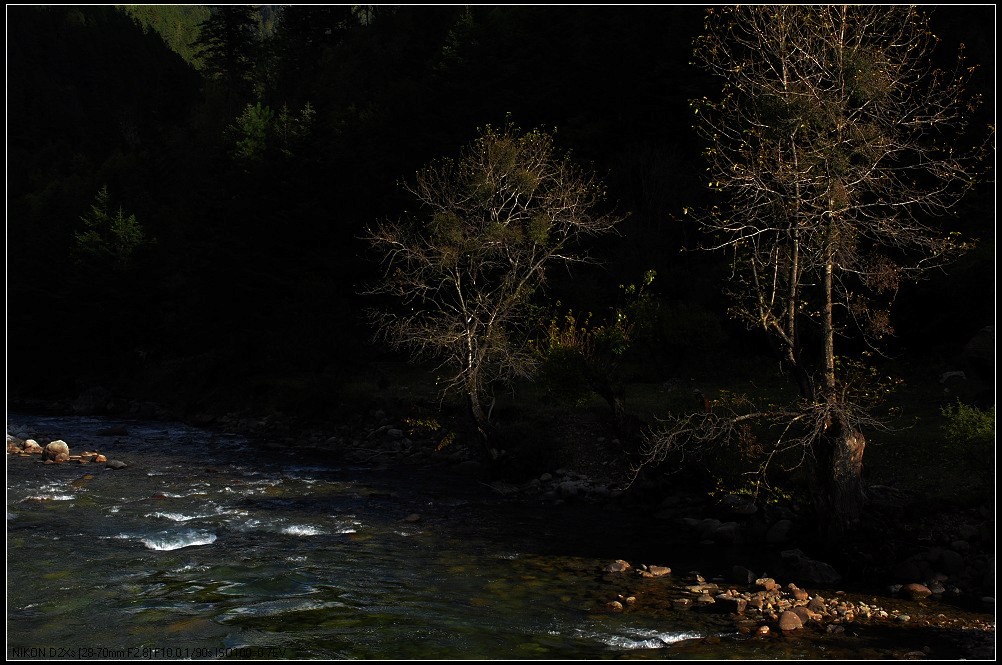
pixel 109 236
pixel 178 25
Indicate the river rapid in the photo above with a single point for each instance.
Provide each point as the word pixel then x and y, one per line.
pixel 208 546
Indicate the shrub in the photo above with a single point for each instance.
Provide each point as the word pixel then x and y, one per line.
pixel 972 432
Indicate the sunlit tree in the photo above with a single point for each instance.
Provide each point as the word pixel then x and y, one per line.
pixel 464 267
pixel 109 236
pixel 835 144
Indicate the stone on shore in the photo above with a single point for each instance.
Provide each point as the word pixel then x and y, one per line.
pixel 56 449
pixel 789 620
pixel 617 566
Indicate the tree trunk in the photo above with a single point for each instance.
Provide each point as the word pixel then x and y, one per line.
pixel 803 379
pixel 838 451
pixel 838 469
pixel 827 328
pixel 480 422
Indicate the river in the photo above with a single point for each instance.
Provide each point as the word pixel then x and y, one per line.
pixel 207 546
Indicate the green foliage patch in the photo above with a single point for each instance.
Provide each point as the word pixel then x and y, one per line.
pixel 970 431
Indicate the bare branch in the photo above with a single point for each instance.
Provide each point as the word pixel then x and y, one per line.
pixel 463 269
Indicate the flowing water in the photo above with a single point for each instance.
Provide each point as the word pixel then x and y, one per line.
pixel 209 547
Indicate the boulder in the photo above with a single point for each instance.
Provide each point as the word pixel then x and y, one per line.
pixel 56 448
pixel 816 604
pixel 727 533
pixel 916 591
pixel 797 592
pixel 617 566
pixel 767 583
pixel 731 604
pixel 806 570
pixel 949 562
pixel 789 620
pixel 779 532
pixel 569 488
pixel 803 613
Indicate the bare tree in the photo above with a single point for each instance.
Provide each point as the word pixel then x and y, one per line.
pixel 833 147
pixel 464 267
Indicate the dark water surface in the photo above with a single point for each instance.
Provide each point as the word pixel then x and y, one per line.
pixel 207 547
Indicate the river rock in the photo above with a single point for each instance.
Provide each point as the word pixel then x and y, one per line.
pixel 56 448
pixel 31 446
pixel 99 458
pixel 913 568
pixel 116 464
pixel 659 571
pixel 803 613
pixel 731 604
pixel 949 562
pixel 767 583
pixel 727 533
pixel 779 532
pixel 916 591
pixel 569 488
pixel 704 527
pixel 797 592
pixel 808 571
pixel 741 575
pixel 816 604
pixel 617 566
pixel 790 621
